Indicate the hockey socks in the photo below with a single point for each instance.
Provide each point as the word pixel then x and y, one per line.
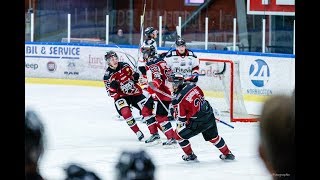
pixel 127 115
pixel 220 144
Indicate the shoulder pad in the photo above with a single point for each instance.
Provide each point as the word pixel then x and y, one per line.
pixel 191 53
pixel 107 75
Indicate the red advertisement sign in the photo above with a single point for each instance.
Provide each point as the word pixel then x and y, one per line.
pixel 271 7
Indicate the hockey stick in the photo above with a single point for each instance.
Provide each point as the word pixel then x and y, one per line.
pixel 195 75
pixel 162 104
pixel 223 70
pixel 126 54
pixel 141 33
pixel 224 123
pixel 158 90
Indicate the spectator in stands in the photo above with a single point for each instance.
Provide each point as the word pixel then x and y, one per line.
pixel 119 38
pixel 277 133
pixel 166 36
pixel 34 145
pixel 134 165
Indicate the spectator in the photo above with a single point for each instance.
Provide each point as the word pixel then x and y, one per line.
pixel 119 38
pixel 277 133
pixel 166 36
pixel 34 145
pixel 134 165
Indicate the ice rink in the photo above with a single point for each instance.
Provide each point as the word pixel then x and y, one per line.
pixel 80 129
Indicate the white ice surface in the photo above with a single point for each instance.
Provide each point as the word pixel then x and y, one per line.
pixel 80 129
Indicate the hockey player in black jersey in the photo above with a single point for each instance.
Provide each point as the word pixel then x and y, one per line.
pixel 195 115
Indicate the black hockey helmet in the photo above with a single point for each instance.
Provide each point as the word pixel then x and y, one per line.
pixel 76 172
pixel 148 31
pixel 177 79
pixel 33 136
pixel 135 165
pixel 110 54
pixel 180 42
pixel 148 51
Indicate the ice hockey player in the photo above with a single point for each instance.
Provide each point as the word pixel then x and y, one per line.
pixel 194 115
pixel 158 102
pixel 151 35
pixel 121 83
pixel 183 60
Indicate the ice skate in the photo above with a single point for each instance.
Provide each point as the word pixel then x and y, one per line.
pixel 191 157
pixel 140 135
pixel 229 156
pixel 170 143
pixel 153 139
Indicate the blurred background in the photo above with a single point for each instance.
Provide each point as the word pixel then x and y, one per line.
pixel 88 22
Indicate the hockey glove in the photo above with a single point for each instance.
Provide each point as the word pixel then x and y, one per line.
pixel 136 76
pixel 163 55
pixel 143 70
pixel 114 85
pixel 192 78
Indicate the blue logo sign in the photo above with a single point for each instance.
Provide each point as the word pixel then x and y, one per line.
pixel 259 73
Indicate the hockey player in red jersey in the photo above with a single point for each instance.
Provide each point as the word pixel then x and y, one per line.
pixel 155 110
pixel 194 115
pixel 121 83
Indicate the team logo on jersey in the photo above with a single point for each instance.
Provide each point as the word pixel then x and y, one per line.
pixel 190 63
pixel 154 68
pixel 259 73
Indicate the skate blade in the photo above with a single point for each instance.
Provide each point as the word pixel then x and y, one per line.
pixel 154 143
pixel 228 160
pixel 192 161
pixel 171 146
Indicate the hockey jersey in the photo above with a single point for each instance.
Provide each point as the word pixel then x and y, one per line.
pixel 123 74
pixel 157 73
pixel 153 42
pixel 186 64
pixel 187 102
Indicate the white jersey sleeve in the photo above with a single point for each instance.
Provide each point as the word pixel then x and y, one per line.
pixel 151 42
pixel 147 42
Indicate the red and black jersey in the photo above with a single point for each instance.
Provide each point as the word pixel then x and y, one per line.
pixel 187 102
pixel 123 74
pixel 157 73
